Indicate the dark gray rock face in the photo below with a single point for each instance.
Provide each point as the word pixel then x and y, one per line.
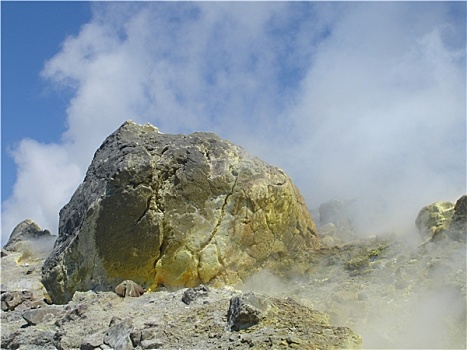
pixel 458 227
pixel 246 310
pixel 178 211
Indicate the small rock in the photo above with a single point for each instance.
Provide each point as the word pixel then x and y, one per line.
pixel 193 294
pixel 129 288
pixel 147 338
pixel 105 347
pixel 118 334
pixel 93 341
pixel 135 337
pixel 43 315
pixel 292 339
pixel 87 346
pixel 327 230
pixel 336 213
pixel 245 311
pixel 11 300
pixel 248 339
pixel 152 344
pixel 72 314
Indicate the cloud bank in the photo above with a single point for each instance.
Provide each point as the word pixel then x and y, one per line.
pixel 352 100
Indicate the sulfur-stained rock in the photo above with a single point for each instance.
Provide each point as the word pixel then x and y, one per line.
pixel 178 211
pixel 434 219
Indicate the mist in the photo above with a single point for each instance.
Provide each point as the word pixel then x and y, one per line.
pixel 359 101
pixel 412 297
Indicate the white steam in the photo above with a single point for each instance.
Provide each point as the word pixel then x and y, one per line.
pixel 352 100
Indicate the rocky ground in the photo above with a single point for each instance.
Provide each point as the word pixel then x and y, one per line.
pixel 199 318
pixel 395 295
pixel 392 293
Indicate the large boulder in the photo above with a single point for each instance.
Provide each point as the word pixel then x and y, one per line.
pixel 178 211
pixel 444 219
pixel 433 220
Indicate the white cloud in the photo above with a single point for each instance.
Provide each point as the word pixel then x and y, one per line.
pixel 382 111
pixel 46 178
pixel 349 99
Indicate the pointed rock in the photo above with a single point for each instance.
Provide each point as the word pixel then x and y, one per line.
pixel 28 235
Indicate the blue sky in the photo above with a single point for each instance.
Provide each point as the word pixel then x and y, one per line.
pixel 353 100
pixel 32 32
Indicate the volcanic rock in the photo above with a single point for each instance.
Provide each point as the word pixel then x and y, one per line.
pixel 129 288
pixel 193 294
pixel 118 335
pixel 28 235
pixel 246 310
pixel 177 211
pixel 444 219
pixel 11 300
pixel 41 315
pixel 458 227
pixel 434 219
